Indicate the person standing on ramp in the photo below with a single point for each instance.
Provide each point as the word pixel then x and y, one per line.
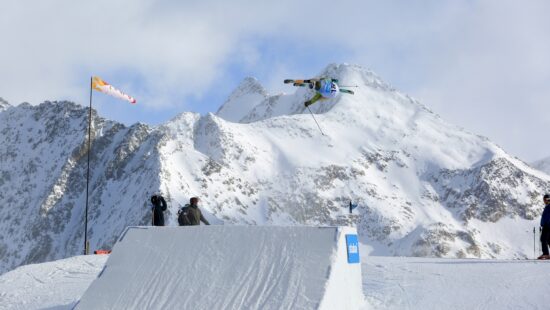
pixel 190 214
pixel 159 206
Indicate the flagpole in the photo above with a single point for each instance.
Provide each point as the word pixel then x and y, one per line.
pixel 86 244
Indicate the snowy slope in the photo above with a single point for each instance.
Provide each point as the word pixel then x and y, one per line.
pixel 424 187
pixel 55 285
pixel 388 283
pixel 430 283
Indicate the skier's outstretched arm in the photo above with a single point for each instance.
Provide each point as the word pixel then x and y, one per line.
pixel 204 220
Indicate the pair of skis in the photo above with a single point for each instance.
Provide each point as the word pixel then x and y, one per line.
pixel 308 81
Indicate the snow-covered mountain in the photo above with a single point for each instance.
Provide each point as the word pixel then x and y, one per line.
pixel 424 187
pixel 43 180
pixel 247 95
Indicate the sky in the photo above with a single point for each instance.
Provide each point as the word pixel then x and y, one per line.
pixel 482 65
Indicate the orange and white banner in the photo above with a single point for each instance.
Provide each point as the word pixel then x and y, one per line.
pixel 104 87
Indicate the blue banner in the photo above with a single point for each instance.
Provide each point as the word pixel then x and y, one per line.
pixel 352 245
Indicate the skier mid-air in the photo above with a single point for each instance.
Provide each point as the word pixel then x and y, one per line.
pixel 325 88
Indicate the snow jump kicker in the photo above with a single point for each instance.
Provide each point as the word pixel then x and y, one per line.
pixel 230 267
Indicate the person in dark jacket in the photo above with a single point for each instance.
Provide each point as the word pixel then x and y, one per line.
pixel 191 214
pixel 159 206
pixel 545 224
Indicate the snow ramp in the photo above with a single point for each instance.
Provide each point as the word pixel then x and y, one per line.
pixel 230 267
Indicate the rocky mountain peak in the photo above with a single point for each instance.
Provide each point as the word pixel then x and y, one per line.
pixel 248 94
pixel 350 74
pixel 3 104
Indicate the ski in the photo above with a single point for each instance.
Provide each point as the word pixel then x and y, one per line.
pixel 347 91
pixel 309 81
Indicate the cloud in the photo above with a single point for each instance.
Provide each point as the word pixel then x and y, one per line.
pixel 487 71
pixel 480 64
pixel 54 47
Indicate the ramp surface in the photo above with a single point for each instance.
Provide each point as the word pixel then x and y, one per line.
pixel 228 267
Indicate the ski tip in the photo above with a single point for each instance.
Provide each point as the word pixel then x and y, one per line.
pixel 288 81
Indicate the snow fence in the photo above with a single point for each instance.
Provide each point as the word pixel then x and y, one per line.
pixel 230 267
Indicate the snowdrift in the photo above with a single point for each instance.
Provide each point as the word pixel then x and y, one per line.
pixel 230 267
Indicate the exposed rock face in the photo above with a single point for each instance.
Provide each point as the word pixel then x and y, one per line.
pixel 43 180
pixel 4 104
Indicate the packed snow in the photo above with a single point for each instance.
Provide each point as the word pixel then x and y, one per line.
pixel 432 283
pixel 388 283
pixel 55 285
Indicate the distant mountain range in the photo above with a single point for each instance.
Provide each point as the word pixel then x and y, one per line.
pixel 424 187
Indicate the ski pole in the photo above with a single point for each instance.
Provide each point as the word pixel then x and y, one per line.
pixel 534 243
pixel 348 86
pixel 540 235
pixel 538 243
pixel 315 121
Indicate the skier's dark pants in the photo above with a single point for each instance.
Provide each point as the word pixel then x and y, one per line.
pixel 545 239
